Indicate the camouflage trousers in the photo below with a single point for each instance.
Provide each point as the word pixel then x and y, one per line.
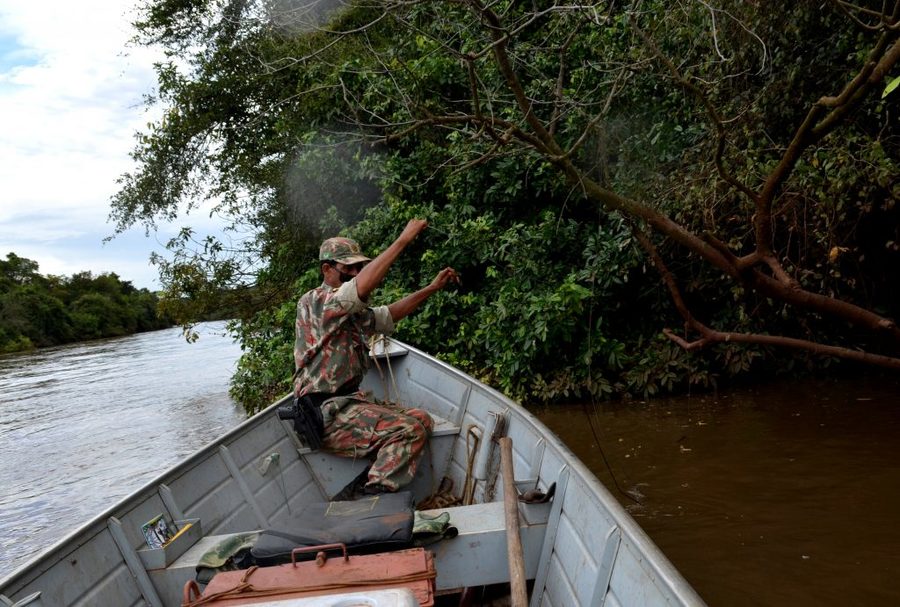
pixel 394 436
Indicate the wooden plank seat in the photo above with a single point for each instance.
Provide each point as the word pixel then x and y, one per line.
pixel 458 565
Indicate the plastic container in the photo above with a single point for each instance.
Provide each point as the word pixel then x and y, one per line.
pixel 160 558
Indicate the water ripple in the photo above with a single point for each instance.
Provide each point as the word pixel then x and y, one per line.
pixel 84 425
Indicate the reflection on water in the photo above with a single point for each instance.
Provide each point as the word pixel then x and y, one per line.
pixel 786 494
pixel 84 425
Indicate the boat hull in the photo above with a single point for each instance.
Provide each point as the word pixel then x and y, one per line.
pixel 581 548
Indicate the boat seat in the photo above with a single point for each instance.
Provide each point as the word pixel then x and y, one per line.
pixel 332 472
pixel 443 427
pixel 484 526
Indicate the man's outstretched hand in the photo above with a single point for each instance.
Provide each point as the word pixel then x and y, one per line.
pixel 403 307
pixel 445 277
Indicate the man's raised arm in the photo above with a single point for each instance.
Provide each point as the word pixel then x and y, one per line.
pixel 374 272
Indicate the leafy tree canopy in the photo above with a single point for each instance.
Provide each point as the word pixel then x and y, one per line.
pixel 597 172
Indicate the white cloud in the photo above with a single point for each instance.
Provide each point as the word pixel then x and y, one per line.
pixel 71 99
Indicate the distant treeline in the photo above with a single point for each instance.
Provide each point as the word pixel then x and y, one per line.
pixel 38 311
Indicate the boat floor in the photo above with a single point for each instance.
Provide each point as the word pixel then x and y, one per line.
pixel 494 595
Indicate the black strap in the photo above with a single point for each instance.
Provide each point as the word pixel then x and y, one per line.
pixel 317 398
pixel 309 421
pixel 351 387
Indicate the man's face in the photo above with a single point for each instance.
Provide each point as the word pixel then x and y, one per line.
pixel 337 273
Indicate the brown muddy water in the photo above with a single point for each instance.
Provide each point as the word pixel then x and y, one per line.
pixel 783 494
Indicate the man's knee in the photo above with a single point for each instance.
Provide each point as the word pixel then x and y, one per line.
pixel 413 431
pixel 423 418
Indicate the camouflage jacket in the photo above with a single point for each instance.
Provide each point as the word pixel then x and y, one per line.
pixel 332 333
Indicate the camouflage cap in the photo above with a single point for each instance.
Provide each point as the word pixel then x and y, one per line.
pixel 342 250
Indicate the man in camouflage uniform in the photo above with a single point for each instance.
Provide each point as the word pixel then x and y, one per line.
pixel 333 326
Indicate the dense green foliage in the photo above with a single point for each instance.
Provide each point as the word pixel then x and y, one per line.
pixel 276 125
pixel 37 310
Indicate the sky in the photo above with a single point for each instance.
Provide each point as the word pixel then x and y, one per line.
pixel 71 100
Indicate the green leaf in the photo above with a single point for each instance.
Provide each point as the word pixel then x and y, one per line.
pixel 890 87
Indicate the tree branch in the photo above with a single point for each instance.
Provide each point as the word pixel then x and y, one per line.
pixel 525 105
pixel 561 80
pixel 712 336
pixel 812 130
pixel 712 112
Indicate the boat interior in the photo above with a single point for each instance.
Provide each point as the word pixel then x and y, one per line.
pixel 577 546
pixel 281 477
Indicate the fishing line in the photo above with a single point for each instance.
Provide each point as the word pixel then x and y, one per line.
pixel 589 413
pixel 593 410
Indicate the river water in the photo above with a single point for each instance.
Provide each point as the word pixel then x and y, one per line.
pixel 84 425
pixel 783 494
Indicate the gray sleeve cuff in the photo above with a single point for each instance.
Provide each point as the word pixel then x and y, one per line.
pixel 383 321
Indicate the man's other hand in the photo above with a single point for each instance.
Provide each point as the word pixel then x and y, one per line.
pixel 445 277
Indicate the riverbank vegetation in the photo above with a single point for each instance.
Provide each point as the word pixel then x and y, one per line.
pixel 640 196
pixel 38 311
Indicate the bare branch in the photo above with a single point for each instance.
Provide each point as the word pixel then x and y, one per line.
pixel 561 79
pixel 503 63
pixel 713 10
pixel 473 87
pixel 502 36
pixel 883 20
pixel 711 336
pixel 667 277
